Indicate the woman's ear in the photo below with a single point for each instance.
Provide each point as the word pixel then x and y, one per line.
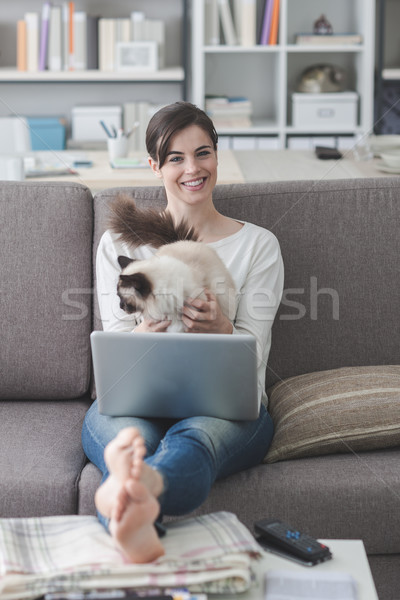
pixel 154 167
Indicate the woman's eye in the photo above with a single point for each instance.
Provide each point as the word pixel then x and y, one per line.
pixel 204 153
pixel 176 159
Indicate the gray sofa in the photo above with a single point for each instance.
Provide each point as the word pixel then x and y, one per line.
pixel 342 235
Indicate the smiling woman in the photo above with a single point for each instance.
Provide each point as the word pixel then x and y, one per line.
pixel 153 467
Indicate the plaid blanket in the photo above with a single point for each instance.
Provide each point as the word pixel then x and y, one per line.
pixel 210 554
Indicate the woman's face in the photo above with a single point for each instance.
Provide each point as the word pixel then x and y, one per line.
pixel 189 173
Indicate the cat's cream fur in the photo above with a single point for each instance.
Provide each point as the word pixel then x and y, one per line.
pixel 158 287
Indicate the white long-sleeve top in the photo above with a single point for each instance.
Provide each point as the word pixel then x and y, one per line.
pixel 254 260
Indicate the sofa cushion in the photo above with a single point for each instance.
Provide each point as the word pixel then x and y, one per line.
pixel 46 290
pixel 341 410
pixel 41 457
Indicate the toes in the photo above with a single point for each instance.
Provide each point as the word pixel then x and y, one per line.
pixel 126 437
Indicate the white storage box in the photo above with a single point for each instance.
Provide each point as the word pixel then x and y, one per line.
pixel 320 112
pixel 86 121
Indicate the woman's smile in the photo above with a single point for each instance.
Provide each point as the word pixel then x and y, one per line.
pixel 195 184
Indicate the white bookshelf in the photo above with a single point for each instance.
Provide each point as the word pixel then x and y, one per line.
pixel 54 93
pixel 267 75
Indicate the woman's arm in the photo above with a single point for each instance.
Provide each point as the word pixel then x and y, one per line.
pixel 108 270
pixel 261 293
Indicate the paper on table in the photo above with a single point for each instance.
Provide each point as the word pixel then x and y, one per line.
pixel 317 585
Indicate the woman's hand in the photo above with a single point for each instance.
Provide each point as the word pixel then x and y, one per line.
pixel 205 316
pixel 147 325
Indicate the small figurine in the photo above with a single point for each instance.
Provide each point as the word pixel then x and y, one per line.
pixel 322 26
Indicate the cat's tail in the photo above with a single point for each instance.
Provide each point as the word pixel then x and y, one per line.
pixel 138 227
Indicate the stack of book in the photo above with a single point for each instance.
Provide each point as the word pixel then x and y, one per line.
pixel 230 112
pixel 63 38
pixel 337 39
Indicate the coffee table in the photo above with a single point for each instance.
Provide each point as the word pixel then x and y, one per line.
pixel 349 556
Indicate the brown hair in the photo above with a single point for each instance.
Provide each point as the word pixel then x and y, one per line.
pixel 168 121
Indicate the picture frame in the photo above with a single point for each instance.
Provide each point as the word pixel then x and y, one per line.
pixel 137 56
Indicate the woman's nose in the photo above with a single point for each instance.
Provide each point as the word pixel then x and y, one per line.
pixel 192 165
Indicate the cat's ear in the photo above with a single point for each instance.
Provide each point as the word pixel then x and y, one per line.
pixel 124 261
pixel 138 281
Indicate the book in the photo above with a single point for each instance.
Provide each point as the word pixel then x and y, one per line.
pixel 70 33
pixel 137 115
pixel 21 45
pixel 122 30
pixel 237 18
pixel 80 40
pixel 229 112
pixel 55 62
pixel 212 37
pixel 227 24
pixel 68 9
pixel 129 120
pixel 156 32
pixel 273 35
pixel 266 22
pixel 32 41
pixel 65 35
pixel 92 42
pixel 106 40
pixel 44 36
pixel 392 74
pixel 352 39
pixel 246 12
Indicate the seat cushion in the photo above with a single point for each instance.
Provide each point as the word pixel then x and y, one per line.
pixel 342 496
pixel 41 457
pixel 340 410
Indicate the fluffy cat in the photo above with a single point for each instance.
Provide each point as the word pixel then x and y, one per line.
pixel 180 269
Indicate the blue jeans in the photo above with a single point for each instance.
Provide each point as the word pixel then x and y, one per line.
pixel 190 454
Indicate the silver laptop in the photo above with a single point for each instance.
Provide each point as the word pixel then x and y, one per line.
pixel 176 375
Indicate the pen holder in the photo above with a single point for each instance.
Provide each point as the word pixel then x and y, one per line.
pixel 12 168
pixel 117 147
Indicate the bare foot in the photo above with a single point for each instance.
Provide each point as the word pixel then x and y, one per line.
pixel 124 459
pixel 132 521
pixel 128 497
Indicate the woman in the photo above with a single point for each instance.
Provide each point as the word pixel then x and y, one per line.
pixel 155 467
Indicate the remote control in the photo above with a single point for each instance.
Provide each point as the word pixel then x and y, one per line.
pixel 292 541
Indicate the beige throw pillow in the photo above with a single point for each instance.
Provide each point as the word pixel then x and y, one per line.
pixel 342 410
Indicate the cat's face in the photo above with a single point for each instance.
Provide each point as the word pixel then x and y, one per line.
pixel 133 288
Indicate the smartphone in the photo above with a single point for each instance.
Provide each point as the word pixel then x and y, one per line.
pixel 326 153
